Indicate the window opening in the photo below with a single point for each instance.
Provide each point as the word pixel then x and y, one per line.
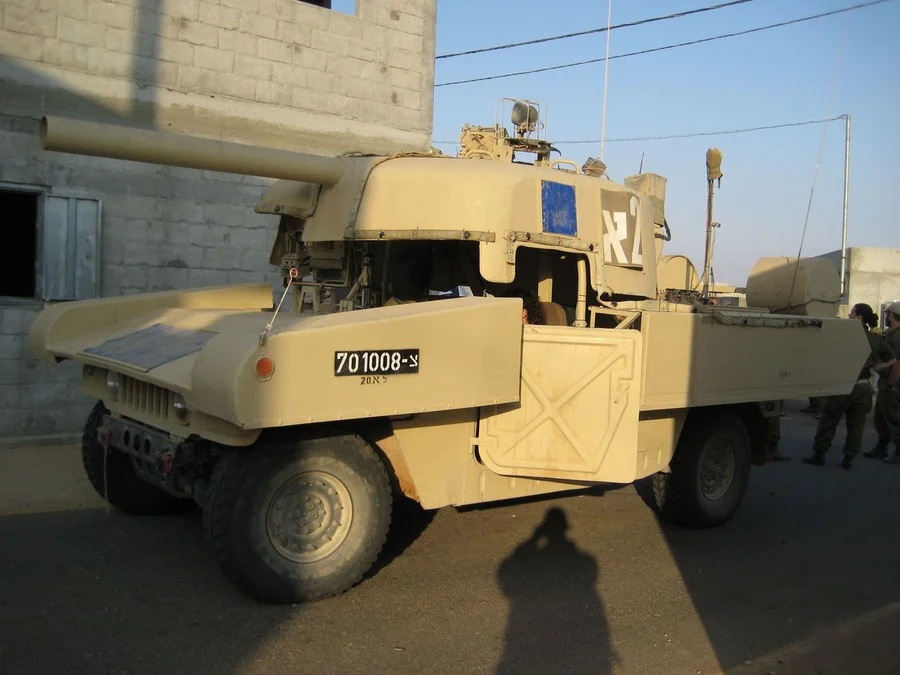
pixel 18 256
pixel 343 6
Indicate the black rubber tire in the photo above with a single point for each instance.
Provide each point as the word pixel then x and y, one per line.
pixel 244 486
pixel 677 496
pixel 119 484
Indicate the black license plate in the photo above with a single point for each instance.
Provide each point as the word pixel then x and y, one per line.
pixel 377 362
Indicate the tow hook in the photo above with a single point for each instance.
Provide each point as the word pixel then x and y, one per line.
pixel 104 436
pixel 165 463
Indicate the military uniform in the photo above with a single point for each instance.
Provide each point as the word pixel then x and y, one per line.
pixel 773 437
pixel 854 406
pixel 887 403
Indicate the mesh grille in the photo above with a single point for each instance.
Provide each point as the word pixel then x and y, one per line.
pixel 145 397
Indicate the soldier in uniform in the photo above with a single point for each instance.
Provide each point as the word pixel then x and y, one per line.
pixel 887 403
pixel 816 403
pixel 855 405
pixel 773 454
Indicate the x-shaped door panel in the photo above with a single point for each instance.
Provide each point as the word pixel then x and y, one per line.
pixel 577 417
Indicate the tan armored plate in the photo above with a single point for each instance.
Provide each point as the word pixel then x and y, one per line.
pixel 397 367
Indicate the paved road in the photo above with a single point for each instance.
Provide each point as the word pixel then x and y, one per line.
pixel 805 579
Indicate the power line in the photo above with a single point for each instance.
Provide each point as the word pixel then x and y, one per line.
pixel 660 49
pixel 566 36
pixel 687 135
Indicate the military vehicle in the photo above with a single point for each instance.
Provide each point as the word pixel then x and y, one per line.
pixel 400 369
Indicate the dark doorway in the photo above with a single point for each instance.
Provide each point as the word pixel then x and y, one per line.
pixel 18 255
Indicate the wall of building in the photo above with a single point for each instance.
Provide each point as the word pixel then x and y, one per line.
pixel 873 276
pixel 280 73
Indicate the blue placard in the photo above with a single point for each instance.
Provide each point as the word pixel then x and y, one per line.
pixel 558 208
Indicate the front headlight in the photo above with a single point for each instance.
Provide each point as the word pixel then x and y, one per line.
pixel 182 412
pixel 112 385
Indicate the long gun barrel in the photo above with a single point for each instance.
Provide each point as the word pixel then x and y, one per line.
pixel 160 147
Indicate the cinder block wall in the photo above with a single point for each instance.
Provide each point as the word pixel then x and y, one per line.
pixel 281 73
pixel 873 277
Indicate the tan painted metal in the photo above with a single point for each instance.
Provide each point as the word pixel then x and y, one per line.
pixel 677 271
pixel 496 410
pixel 658 434
pixel 459 367
pixel 141 408
pixel 808 287
pixel 58 324
pixel 160 147
pixel 447 470
pixel 578 414
pixel 440 467
pixel 443 194
pixel 699 359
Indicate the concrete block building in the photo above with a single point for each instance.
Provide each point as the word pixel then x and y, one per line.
pixel 873 277
pixel 315 76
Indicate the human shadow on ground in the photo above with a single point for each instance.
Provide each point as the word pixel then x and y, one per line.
pixel 557 621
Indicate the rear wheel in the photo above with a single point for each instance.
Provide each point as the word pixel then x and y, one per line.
pixel 709 473
pixel 112 474
pixel 301 520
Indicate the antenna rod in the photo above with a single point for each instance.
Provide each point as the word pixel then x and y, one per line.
pixel 707 263
pixel 846 200
pixel 605 82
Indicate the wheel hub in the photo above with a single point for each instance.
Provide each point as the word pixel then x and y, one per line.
pixel 717 470
pixel 309 516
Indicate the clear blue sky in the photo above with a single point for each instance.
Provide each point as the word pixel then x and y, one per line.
pixel 847 63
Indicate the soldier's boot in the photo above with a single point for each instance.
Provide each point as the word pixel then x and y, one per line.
pixel 878 452
pixel 774 455
pixel 816 459
pixel 847 463
pixel 893 459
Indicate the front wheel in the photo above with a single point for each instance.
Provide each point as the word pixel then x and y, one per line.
pixel 709 473
pixel 298 521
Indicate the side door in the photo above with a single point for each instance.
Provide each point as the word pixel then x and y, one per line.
pixel 577 416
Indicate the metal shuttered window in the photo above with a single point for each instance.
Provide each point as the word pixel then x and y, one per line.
pixel 70 260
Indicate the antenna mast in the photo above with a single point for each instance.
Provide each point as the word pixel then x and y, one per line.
pixel 605 82
pixel 713 173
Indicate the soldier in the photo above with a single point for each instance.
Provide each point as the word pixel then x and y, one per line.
pixel 816 404
pixel 887 403
pixel 773 454
pixel 532 312
pixel 855 405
